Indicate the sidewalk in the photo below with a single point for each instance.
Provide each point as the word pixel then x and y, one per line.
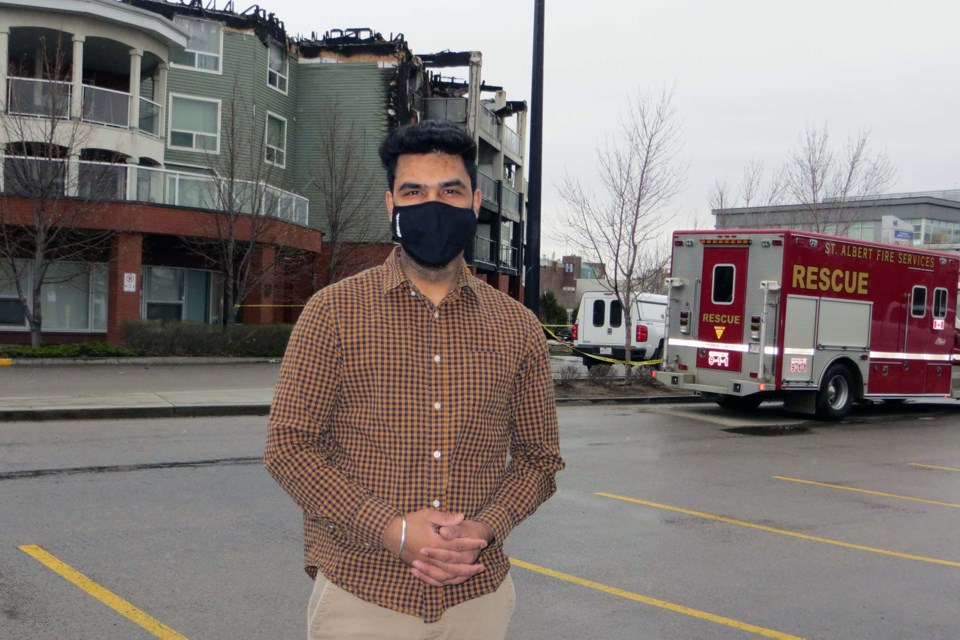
pixel 149 388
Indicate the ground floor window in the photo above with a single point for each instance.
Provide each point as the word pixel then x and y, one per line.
pixel 188 295
pixel 73 297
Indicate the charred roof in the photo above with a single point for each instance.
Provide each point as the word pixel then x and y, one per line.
pixel 267 26
pixel 357 41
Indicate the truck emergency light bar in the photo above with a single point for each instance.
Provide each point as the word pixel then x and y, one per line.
pixel 725 241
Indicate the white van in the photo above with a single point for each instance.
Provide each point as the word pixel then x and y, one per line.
pixel 599 327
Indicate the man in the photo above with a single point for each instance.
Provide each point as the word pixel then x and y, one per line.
pixel 402 392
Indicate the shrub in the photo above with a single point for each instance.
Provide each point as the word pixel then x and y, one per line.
pixel 153 338
pixel 78 350
pixel 600 372
pixel 567 374
pixel 641 375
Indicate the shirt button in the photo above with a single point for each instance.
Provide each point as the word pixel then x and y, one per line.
pixel 436 359
pixel 437 454
pixel 437 405
pixel 413 293
pixel 436 504
pixel 436 314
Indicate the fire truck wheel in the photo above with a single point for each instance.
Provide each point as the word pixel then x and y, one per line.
pixel 836 394
pixel 739 403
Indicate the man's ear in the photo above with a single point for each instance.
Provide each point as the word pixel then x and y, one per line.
pixel 388 199
pixel 477 196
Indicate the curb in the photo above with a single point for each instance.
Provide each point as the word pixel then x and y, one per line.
pixel 87 362
pixel 215 410
pixel 119 413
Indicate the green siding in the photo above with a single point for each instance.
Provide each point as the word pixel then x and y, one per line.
pixel 242 84
pixel 358 91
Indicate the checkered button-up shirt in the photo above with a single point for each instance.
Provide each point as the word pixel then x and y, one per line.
pixel 386 404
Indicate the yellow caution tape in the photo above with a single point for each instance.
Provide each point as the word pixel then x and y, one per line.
pixel 642 363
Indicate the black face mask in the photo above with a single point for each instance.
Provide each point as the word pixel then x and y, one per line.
pixel 433 233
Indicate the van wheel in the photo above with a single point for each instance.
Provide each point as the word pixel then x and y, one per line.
pixel 739 403
pixel 835 398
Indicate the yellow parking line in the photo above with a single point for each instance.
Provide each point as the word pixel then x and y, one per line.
pixel 784 532
pixel 108 598
pixel 663 604
pixel 933 466
pixel 868 491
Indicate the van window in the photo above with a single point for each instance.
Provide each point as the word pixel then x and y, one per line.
pixel 939 303
pixel 616 313
pixel 599 309
pixel 918 302
pixel 723 283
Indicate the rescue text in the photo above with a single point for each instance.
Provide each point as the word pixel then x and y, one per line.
pixel 836 280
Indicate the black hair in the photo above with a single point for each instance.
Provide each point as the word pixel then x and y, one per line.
pixel 429 136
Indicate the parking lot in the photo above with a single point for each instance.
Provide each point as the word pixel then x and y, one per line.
pixel 670 522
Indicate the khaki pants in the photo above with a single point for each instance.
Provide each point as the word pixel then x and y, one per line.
pixel 335 614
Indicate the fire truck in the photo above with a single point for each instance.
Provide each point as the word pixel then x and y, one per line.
pixel 816 320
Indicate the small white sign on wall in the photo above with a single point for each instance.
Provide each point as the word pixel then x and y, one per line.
pixel 129 283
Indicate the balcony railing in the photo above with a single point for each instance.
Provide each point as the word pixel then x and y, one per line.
pixel 106 106
pixel 511 140
pixel 511 200
pixel 46 177
pixel 508 256
pixel 31 97
pixel 204 192
pixel 488 188
pixel 151 117
pixel 489 123
pixel 484 249
pixel 452 109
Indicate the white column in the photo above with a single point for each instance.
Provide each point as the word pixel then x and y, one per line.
pixel 4 60
pixel 73 175
pixel 160 96
pixel 136 58
pixel 76 101
pixel 132 164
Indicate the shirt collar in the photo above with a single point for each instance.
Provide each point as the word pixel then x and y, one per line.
pixel 395 277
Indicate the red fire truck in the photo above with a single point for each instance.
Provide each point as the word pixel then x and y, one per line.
pixel 817 320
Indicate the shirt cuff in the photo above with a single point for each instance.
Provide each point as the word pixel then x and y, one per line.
pixel 498 519
pixel 371 520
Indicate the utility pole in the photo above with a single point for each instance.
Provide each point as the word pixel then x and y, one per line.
pixel 531 292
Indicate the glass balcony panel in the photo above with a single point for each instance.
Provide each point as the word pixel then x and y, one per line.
pixel 151 115
pixel 102 181
pixel 30 97
pixel 511 200
pixel 451 109
pixel 34 177
pixel 106 106
pixel 511 140
pixel 489 123
pixel 488 188
pixel 483 250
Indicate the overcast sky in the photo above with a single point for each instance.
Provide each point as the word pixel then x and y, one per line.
pixel 748 76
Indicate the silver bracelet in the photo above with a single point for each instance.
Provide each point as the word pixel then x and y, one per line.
pixel 403 533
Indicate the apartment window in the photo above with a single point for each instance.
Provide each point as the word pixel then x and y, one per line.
pixel 194 124
pixel 74 297
pixel 182 295
pixel 204 45
pixel 276 151
pixel 277 67
pixel 12 313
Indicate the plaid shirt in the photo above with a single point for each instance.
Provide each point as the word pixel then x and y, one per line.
pixel 386 404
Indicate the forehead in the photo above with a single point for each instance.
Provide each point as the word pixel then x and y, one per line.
pixel 431 168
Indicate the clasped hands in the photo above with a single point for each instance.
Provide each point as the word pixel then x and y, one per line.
pixel 441 548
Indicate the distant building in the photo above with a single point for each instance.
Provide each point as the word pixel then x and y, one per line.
pixel 173 99
pixel 569 277
pixel 929 219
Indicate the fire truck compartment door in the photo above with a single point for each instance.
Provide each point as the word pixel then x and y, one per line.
pixel 844 324
pixel 799 338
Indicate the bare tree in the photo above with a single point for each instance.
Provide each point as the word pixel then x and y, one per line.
pixel 49 199
pixel 346 193
pixel 826 184
pixel 247 205
pixel 622 226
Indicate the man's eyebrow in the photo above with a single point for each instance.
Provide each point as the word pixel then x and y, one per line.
pixel 456 182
